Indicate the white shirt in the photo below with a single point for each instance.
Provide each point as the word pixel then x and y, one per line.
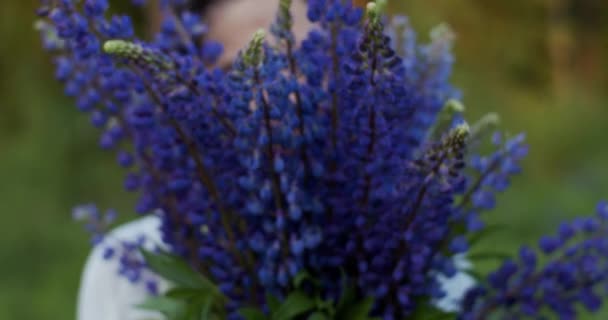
pixel 104 295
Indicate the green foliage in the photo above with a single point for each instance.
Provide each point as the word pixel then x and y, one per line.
pixel 302 277
pixel 350 307
pixel 198 307
pixel 318 316
pixel 169 307
pixel 252 314
pixel 273 303
pixel 176 270
pixel 193 296
pixel 294 305
pixel 355 310
pixel 426 311
pixel 301 304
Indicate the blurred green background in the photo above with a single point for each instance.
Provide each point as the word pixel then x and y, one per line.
pixel 542 64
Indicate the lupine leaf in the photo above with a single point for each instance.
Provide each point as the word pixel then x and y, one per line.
pixel 318 316
pixel 252 314
pixel 205 311
pixel 355 310
pixel 193 311
pixel 427 311
pixel 295 304
pixel 328 306
pixel 273 303
pixel 348 296
pixel 441 316
pixel 174 269
pixel 300 277
pixel 171 308
pixel 303 276
pixel 200 302
pixel 185 293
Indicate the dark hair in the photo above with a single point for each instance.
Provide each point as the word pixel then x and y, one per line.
pixel 201 5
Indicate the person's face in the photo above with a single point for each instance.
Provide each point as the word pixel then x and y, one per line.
pixel 233 22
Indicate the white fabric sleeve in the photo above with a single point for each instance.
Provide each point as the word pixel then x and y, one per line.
pixel 103 294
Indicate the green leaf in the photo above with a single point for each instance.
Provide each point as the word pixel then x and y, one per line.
pixel 206 309
pixel 295 304
pixel 171 308
pixel 193 311
pixel 252 314
pixel 348 295
pixel 426 311
pixel 318 316
pixel 328 306
pixel 186 293
pixel 176 270
pixel 303 276
pixel 443 316
pixel 200 302
pixel 273 303
pixel 355 310
pixel 300 278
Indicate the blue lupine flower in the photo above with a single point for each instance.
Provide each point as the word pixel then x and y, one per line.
pixel 492 175
pixel 324 175
pixel 575 272
pixel 322 156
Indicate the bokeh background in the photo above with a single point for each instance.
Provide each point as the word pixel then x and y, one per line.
pixel 542 64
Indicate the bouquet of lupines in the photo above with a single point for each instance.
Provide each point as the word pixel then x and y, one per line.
pixel 329 179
